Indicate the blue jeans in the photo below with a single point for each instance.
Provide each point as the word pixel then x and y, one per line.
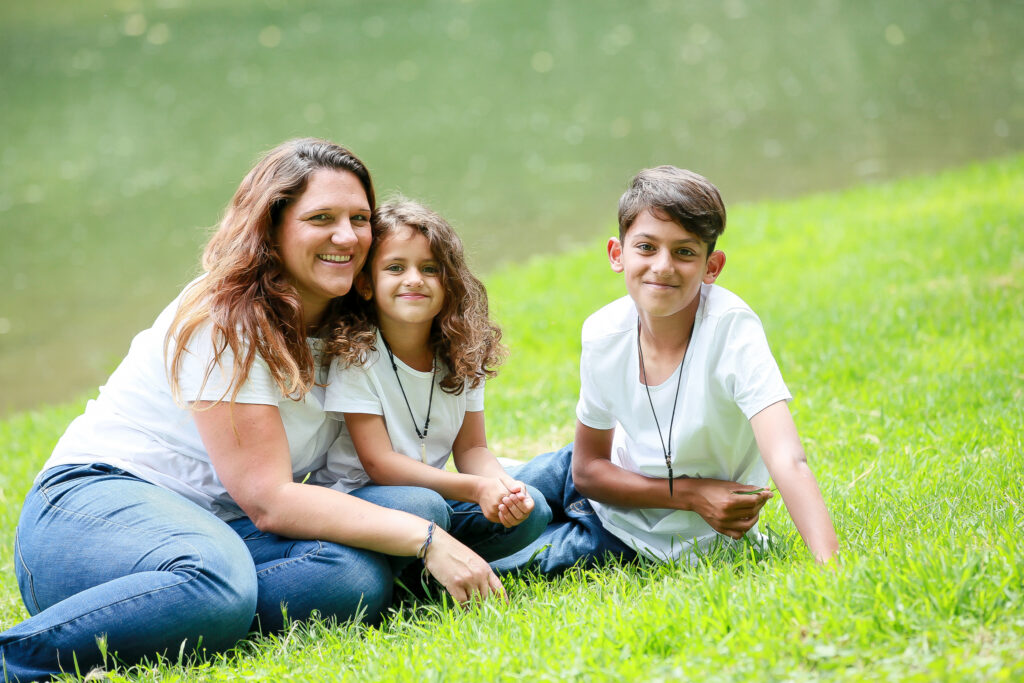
pixel 466 521
pixel 99 551
pixel 575 534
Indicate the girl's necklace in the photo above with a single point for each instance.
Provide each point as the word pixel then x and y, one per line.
pixel 665 448
pixel 426 423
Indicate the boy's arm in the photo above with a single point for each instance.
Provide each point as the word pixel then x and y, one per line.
pixel 504 497
pixel 715 500
pixel 784 457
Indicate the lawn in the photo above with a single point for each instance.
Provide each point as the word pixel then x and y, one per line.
pixel 896 312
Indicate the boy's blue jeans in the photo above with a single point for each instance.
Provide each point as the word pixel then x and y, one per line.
pixel 100 552
pixel 466 521
pixel 575 534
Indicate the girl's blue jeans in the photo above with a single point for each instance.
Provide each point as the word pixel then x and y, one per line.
pixel 466 521
pixel 102 554
pixel 575 534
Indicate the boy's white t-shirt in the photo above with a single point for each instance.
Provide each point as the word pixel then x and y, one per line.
pixel 373 389
pixel 728 376
pixel 136 425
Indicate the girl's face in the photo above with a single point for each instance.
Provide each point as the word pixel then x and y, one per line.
pixel 407 287
pixel 324 237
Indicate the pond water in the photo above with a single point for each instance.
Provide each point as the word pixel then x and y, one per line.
pixel 127 126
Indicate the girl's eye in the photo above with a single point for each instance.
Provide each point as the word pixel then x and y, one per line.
pixel 394 268
pixel 431 270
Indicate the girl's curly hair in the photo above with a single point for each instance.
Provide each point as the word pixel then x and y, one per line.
pixel 462 334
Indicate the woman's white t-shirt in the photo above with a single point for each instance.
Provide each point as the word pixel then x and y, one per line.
pixel 136 425
pixel 728 376
pixel 373 389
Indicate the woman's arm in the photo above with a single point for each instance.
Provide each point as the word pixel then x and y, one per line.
pixel 249 451
pixel 784 457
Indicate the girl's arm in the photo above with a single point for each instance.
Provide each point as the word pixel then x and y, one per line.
pixel 784 457
pixel 504 500
pixel 385 466
pixel 249 452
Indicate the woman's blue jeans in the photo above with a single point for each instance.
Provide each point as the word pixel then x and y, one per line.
pixel 100 553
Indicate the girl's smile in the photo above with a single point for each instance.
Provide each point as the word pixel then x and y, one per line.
pixel 406 283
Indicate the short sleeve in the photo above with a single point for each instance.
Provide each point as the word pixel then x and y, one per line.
pixel 592 409
pixel 745 366
pixel 475 398
pixel 201 379
pixel 351 389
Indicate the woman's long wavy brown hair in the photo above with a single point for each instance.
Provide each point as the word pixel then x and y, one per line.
pixel 462 335
pixel 246 294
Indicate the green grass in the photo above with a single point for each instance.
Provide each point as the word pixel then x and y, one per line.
pixel 896 313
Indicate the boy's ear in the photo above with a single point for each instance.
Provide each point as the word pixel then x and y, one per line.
pixel 716 262
pixel 364 287
pixel 615 254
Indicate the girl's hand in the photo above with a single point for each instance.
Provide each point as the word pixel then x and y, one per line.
pixel 491 495
pixel 463 573
pixel 517 505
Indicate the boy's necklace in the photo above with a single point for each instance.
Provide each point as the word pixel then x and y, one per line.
pixel 426 423
pixel 666 449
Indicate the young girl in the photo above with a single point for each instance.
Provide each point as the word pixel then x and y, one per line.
pixel 409 380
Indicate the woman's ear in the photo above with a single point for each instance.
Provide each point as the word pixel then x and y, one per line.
pixel 364 287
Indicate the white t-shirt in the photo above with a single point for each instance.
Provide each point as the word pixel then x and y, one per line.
pixel 136 425
pixel 373 389
pixel 728 376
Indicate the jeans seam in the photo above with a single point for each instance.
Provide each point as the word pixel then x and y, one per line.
pixel 101 608
pixel 291 560
pixel 28 572
pixel 104 520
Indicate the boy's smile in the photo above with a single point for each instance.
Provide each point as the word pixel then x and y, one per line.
pixel 663 264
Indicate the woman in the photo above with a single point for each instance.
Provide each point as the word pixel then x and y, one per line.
pixel 174 510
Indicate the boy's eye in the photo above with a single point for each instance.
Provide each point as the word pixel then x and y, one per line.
pixel 685 252
pixel 643 246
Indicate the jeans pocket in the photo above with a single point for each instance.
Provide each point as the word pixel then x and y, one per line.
pixel 580 508
pixel 26 582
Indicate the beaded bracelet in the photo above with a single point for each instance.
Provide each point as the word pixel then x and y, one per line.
pixel 426 544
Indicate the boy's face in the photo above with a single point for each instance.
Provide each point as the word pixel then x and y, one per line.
pixel 664 265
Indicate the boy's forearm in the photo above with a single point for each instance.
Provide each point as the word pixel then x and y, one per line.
pixel 803 499
pixel 602 480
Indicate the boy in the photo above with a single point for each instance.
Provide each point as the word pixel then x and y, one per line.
pixel 682 413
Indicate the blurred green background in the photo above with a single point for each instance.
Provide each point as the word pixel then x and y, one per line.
pixel 128 124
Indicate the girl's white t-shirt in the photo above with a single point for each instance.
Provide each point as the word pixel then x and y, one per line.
pixel 728 376
pixel 373 389
pixel 136 425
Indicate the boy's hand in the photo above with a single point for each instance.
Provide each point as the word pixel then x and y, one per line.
pixel 517 505
pixel 728 507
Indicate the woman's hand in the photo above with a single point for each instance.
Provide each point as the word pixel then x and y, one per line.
pixel 463 573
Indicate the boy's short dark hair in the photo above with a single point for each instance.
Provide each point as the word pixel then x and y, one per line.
pixel 675 194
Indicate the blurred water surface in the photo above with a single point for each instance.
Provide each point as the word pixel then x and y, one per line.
pixel 128 124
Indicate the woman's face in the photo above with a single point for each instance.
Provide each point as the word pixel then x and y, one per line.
pixel 323 238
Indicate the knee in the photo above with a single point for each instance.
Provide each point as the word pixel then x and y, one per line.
pixel 541 514
pixel 226 589
pixel 424 503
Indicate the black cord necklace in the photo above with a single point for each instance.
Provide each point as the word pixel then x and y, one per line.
pixel 665 448
pixel 430 402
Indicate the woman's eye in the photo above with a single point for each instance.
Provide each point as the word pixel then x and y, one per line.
pixel 320 218
pixel 360 218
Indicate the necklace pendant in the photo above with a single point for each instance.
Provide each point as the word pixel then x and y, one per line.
pixel 423 450
pixel 670 480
